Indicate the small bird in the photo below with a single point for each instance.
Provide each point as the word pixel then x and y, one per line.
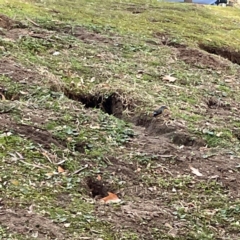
pixel 159 111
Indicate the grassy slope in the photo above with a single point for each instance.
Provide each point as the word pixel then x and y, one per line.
pixel 110 65
pixel 193 23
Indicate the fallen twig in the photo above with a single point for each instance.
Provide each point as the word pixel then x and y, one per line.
pixel 31 21
pixel 46 155
pixel 81 169
pixel 20 159
pixel 171 85
pixel 30 164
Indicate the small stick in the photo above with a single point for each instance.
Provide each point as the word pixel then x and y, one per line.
pixel 31 21
pixel 46 155
pixel 81 169
pixel 170 85
pixel 30 164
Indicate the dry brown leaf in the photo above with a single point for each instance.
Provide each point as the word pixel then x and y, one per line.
pixel 60 169
pixel 195 171
pixel 111 198
pixel 169 78
pixel 104 86
pixel 30 209
pixel 173 232
pixel 8 40
pixel 214 177
pixel 152 189
pixel 15 182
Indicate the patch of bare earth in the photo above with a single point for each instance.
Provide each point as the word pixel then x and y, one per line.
pixel 35 134
pixel 135 9
pixel 138 216
pixel 174 150
pixel 18 73
pixel 12 29
pixel 8 23
pixel 15 30
pixel 25 76
pixel 195 57
pixel 174 142
pixel 30 224
pixel 200 58
pixel 226 52
pixel 87 36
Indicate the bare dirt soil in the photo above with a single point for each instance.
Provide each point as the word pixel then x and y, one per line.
pixel 202 56
pixel 199 58
pixel 35 134
pixel 8 23
pixel 145 210
pixel 18 73
pixel 29 224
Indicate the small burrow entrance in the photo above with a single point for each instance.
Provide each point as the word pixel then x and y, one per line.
pixel 111 104
pixel 228 53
